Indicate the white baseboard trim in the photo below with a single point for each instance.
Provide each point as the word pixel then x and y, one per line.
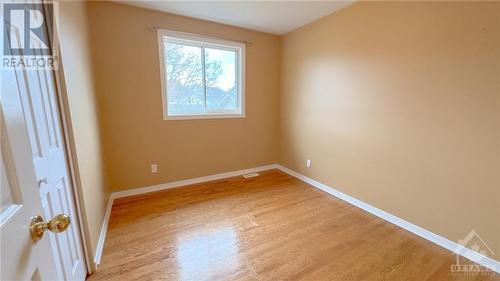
pixel 436 239
pixel 432 237
pixel 142 190
pixel 104 230
pixel 175 184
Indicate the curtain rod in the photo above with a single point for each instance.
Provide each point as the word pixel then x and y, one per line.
pixel 156 27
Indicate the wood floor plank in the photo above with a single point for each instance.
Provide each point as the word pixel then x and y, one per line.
pixel 271 227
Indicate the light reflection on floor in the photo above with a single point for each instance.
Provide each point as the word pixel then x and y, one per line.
pixel 202 253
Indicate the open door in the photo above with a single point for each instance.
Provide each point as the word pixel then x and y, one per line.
pixel 21 257
pixel 40 235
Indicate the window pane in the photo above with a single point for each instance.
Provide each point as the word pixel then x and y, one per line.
pixel 185 93
pixel 220 75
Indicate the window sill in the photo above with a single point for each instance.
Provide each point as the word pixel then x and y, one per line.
pixel 204 116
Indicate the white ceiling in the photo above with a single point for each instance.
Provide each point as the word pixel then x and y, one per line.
pixel 277 17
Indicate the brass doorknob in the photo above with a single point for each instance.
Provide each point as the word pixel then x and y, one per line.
pixel 57 224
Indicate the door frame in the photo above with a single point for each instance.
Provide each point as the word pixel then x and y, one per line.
pixel 69 143
pixel 72 164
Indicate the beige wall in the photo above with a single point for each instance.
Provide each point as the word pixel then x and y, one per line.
pixel 126 67
pixel 498 116
pixel 81 104
pixel 397 104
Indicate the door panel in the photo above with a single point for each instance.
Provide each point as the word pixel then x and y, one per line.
pixel 20 259
pixel 51 169
pixel 32 98
pixel 6 196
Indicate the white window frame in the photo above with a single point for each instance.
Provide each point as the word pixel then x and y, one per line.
pixel 204 42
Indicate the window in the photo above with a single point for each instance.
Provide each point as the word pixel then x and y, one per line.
pixel 202 77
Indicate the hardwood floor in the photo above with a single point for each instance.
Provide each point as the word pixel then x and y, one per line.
pixel 271 227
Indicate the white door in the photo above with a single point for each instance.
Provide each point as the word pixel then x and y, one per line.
pixel 21 258
pixel 35 91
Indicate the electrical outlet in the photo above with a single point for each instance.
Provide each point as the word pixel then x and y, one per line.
pixel 308 163
pixel 154 168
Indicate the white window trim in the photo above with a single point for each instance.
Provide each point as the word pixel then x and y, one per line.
pixel 206 42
